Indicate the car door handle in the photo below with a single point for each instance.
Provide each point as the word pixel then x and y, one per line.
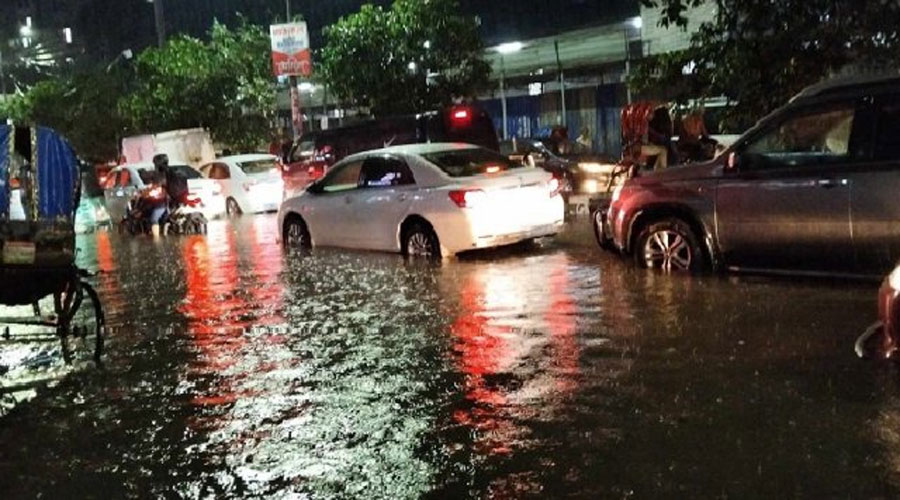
pixel 831 183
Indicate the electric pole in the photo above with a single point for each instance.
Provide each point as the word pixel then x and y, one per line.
pixel 160 22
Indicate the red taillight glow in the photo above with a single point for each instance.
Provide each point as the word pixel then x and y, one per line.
pixel 493 169
pixel 461 117
pixel 467 198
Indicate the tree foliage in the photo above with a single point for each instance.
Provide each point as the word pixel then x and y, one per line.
pixel 761 52
pixel 81 106
pixel 224 85
pixel 417 55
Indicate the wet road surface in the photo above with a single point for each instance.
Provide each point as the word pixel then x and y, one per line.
pixel 236 371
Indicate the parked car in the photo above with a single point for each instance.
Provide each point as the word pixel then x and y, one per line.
pixel 250 183
pixel 426 200
pixel 810 188
pixel 579 173
pixel 318 150
pixel 124 181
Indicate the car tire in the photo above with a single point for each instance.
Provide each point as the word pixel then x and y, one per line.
pixel 296 234
pixel 598 218
pixel 420 241
pixel 232 208
pixel 669 245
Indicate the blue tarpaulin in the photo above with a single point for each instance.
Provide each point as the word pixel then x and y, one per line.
pixel 57 176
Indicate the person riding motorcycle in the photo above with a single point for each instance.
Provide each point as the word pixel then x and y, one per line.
pixel 175 187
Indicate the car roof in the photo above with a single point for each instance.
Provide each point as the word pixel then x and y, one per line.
pixel 246 157
pixel 420 149
pixel 859 83
pixel 150 166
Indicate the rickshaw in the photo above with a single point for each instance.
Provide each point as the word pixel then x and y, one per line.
pixel 40 186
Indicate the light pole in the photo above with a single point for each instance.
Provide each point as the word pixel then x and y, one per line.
pixel 503 49
pixel 158 16
pixel 636 23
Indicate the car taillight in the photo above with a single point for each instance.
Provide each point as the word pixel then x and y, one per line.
pixel 468 198
pixel 553 185
pixel 460 116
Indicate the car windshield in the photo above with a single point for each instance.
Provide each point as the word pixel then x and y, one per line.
pixel 469 162
pixel 185 172
pixel 258 166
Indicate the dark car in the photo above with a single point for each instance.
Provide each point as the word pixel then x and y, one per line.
pixel 316 151
pixel 579 172
pixel 811 188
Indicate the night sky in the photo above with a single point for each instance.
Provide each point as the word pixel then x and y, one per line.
pixel 105 27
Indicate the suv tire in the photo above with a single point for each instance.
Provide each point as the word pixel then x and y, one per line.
pixel 670 245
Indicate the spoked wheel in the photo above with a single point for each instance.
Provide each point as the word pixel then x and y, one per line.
pixel 669 245
pixel 296 234
pixel 232 208
pixel 420 242
pixel 82 336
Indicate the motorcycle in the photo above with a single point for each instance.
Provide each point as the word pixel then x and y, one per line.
pixel 182 217
pixel 140 208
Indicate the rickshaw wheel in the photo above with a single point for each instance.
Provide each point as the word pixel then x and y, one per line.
pixel 83 337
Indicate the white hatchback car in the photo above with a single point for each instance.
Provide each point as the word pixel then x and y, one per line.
pixel 125 180
pixel 427 200
pixel 250 183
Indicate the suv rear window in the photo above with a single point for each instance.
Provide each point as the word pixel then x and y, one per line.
pixel 469 162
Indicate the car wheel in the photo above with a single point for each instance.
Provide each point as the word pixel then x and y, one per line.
pixel 296 234
pixel 669 245
pixel 232 208
pixel 420 241
pixel 598 219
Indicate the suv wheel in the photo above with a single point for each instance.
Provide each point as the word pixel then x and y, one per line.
pixel 669 245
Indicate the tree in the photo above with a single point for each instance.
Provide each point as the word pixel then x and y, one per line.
pixel 224 85
pixel 81 106
pixel 760 53
pixel 418 55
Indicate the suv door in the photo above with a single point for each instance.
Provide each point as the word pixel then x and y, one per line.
pixel 383 201
pixel 788 203
pixel 875 211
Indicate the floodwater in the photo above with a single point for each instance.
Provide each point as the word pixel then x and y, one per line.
pixel 234 370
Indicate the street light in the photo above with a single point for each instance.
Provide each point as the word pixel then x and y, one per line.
pixel 504 49
pixel 635 24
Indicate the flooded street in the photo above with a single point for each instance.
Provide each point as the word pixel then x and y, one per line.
pixel 234 370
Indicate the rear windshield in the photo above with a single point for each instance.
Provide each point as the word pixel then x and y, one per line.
pixel 469 162
pixel 258 166
pixel 185 172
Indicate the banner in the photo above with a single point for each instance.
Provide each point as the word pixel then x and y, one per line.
pixel 290 49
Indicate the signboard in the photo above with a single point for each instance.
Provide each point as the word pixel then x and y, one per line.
pixel 290 49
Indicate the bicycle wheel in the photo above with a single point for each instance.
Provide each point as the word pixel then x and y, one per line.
pixel 88 326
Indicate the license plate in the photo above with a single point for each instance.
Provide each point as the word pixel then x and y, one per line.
pixel 18 252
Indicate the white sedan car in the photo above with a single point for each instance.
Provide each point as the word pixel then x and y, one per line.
pixel 250 183
pixel 125 180
pixel 427 200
